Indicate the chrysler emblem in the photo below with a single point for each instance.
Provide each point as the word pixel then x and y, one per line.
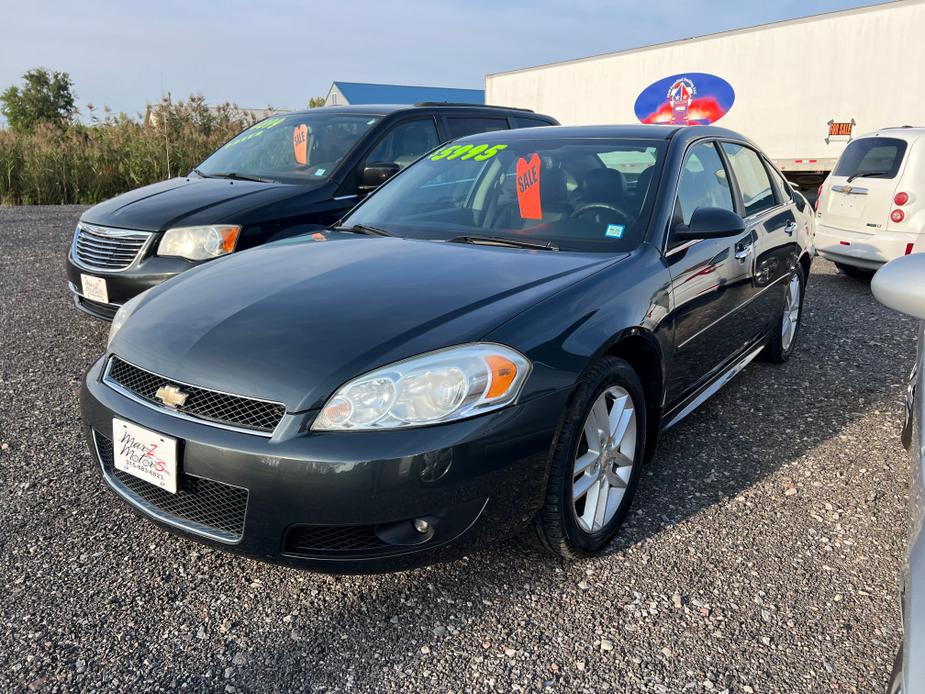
pixel 171 396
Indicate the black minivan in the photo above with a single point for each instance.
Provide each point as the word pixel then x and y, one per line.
pixel 288 174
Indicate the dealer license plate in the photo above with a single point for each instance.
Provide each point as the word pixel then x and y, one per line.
pixel 147 455
pixel 94 288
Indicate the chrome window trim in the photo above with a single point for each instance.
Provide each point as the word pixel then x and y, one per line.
pixel 119 388
pixel 151 510
pixel 114 233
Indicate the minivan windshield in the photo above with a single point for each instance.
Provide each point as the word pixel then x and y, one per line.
pixel 569 194
pixel 871 157
pixel 294 148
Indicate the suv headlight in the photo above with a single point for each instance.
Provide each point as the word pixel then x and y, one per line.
pixel 432 388
pixel 199 243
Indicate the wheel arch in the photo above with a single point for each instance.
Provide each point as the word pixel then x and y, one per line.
pixel 641 350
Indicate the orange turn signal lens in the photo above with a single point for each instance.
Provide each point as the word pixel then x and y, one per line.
pixel 229 238
pixel 503 373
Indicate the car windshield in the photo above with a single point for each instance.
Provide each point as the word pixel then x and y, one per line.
pixel 572 194
pixel 295 148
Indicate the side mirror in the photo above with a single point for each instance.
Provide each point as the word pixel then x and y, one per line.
pixel 374 175
pixel 898 285
pixel 710 223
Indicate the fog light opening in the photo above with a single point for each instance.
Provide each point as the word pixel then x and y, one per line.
pixel 421 525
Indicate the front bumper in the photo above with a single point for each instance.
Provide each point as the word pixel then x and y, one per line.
pixel 869 251
pixel 125 284
pixel 340 502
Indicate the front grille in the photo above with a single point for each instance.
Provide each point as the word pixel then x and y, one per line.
pixel 200 505
pixel 210 405
pixel 312 539
pixel 107 249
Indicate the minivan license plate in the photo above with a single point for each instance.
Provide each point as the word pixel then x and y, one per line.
pixel 94 288
pixel 147 455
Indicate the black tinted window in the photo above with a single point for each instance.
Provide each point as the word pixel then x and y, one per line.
pixel 879 157
pixel 527 122
pixel 460 127
pixel 405 142
pixel 752 177
pixel 703 183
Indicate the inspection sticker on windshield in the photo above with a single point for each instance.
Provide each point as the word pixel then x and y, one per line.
pixel 94 288
pixel 615 231
pixel 145 454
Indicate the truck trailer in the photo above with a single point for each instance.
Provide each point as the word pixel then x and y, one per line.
pixel 801 89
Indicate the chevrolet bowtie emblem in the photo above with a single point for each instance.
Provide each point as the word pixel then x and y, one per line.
pixel 171 396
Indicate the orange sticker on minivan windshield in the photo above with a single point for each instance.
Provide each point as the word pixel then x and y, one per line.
pixel 528 187
pixel 300 143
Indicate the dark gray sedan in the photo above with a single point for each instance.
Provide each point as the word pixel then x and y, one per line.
pixel 900 285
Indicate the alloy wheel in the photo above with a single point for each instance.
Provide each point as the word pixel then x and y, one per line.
pixel 604 460
pixel 791 313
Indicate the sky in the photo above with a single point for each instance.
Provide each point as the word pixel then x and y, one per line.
pixel 280 53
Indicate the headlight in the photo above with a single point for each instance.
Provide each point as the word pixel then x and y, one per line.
pixel 126 310
pixel 199 243
pixel 432 388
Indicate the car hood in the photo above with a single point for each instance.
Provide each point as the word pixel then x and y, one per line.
pixel 187 202
pixel 292 321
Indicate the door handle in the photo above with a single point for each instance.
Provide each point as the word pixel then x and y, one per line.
pixel 790 228
pixel 744 249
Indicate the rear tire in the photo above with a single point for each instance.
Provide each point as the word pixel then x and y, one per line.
pixel 787 326
pixel 858 273
pixel 595 469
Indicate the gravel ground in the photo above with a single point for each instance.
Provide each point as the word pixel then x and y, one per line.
pixel 762 555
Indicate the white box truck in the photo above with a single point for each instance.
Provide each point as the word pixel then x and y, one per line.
pixel 801 89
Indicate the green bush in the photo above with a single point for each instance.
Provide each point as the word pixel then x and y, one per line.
pixel 74 163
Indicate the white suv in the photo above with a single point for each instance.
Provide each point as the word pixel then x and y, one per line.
pixel 871 208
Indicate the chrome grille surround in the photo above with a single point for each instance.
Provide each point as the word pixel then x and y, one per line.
pixel 104 249
pixel 242 413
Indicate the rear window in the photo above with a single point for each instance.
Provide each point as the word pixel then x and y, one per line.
pixel 876 157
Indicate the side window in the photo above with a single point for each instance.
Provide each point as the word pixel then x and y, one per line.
pixel 405 142
pixel 526 122
pixel 460 127
pixel 703 183
pixel 781 183
pixel 752 177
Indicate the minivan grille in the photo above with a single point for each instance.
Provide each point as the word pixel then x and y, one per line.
pixel 201 403
pixel 200 505
pixel 107 249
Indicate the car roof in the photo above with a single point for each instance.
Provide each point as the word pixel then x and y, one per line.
pixel 388 109
pixel 903 132
pixel 631 131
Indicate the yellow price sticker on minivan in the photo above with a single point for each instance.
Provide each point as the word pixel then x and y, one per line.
pixel 477 152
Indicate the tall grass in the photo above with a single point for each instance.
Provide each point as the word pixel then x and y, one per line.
pixel 84 164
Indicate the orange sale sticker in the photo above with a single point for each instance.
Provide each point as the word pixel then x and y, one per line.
pixel 528 187
pixel 300 143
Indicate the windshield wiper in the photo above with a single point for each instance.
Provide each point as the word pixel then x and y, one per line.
pixel 200 174
pixel 865 174
pixel 508 242
pixel 239 177
pixel 364 229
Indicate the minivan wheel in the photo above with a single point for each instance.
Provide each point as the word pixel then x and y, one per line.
pixel 787 327
pixel 858 273
pixel 596 462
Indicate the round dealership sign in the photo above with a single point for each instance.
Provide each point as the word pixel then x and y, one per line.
pixel 689 98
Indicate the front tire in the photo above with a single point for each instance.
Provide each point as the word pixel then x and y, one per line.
pixel 787 326
pixel 596 462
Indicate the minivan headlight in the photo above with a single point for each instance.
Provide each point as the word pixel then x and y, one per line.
pixel 442 386
pixel 199 243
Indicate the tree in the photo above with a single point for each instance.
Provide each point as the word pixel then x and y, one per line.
pixel 46 97
pixel 316 101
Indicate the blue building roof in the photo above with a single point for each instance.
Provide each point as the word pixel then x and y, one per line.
pixel 362 93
